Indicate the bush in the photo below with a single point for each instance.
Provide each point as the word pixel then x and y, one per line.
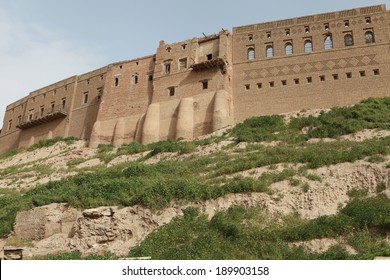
pixel 132 148
pixel 373 211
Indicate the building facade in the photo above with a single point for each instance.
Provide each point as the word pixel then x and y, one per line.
pixel 194 87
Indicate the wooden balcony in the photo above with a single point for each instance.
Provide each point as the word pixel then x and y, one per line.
pixel 42 117
pixel 209 64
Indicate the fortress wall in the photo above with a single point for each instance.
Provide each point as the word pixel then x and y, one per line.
pixel 162 119
pixel 127 89
pixel 339 77
pixel 13 116
pixel 44 131
pixel 9 141
pixel 322 78
pixel 193 87
pixel 86 102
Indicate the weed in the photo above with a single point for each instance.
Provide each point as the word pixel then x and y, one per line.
pixel 75 161
pixel 305 187
pixel 295 182
pixel 376 159
pixel 381 187
pixel 357 193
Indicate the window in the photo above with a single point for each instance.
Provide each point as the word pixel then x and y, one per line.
pixel 63 103
pixel 66 88
pixel 284 83
pixel 30 114
pixel 349 75
pixel 287 32
pixel 42 111
pixel 369 36
pixel 288 48
pixel 322 78
pixel 251 53
pixel 250 37
pixel 309 80
pixel 307 29
pixel 44 95
pixel 346 23
pixel 259 85
pixel 362 73
pixel 150 78
pixel 135 79
pixel 271 84
pixel 183 63
pixel 335 77
pixel 368 20
pixel 376 72
pixel 247 87
pixel 52 107
pixel 348 40
pixel 296 81
pixel 116 83
pixel 167 68
pixel 268 35
pixel 328 43
pixel 9 125
pixel 269 51
pixel 85 98
pixel 184 46
pixel 326 26
pixel 209 56
pixel 308 46
pixel 171 91
pixel 205 84
pixel 120 66
pixel 87 82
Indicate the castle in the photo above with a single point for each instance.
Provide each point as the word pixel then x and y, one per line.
pixel 194 87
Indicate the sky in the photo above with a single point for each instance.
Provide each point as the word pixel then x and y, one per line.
pixel 44 41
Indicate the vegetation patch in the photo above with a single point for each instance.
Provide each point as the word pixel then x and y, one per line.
pixel 247 233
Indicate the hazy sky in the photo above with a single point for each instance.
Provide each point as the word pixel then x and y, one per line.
pixel 44 41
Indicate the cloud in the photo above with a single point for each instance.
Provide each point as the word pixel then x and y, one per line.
pixel 33 56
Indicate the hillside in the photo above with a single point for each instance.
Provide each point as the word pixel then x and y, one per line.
pixel 306 185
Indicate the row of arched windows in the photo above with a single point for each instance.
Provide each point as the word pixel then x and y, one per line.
pixel 308 45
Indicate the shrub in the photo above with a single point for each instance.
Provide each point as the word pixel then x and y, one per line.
pixel 373 211
pixel 132 148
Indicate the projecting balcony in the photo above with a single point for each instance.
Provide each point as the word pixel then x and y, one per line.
pixel 208 64
pixel 43 117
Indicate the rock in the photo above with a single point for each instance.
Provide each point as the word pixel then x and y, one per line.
pixel 99 212
pixel 42 222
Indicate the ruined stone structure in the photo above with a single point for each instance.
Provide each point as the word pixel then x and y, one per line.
pixel 191 88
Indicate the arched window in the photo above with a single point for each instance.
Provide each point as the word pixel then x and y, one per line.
pixel 369 37
pixel 308 46
pixel 348 40
pixel 288 48
pixel 270 51
pixel 328 43
pixel 251 53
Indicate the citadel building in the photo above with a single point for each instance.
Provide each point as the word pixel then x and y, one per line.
pixel 191 88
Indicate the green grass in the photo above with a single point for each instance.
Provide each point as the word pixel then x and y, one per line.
pixel 51 142
pixel 248 233
pixel 369 114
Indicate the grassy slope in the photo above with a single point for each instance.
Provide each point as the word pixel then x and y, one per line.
pixel 204 177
